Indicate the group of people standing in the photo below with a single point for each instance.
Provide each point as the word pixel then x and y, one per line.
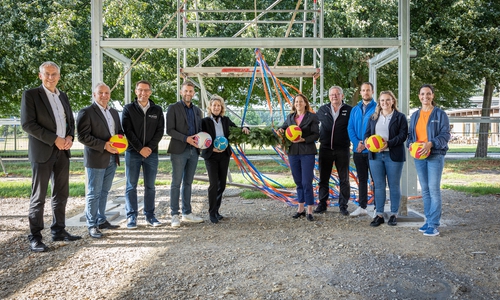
pixel 337 125
pixel 47 117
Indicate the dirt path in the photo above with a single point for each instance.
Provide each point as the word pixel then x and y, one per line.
pixel 259 252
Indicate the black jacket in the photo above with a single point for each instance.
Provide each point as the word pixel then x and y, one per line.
pixel 207 125
pixel 310 132
pixel 143 129
pixel 340 137
pixel 93 133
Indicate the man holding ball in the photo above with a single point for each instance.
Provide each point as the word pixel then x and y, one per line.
pixel 183 123
pixel 96 124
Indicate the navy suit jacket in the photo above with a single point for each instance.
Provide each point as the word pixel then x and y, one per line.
pixel 37 119
pixel 93 132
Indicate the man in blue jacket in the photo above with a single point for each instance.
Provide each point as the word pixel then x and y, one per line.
pixel 143 124
pixel 360 115
pixel 334 148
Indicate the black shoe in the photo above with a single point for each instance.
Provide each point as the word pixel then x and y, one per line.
pixel 107 225
pixel 38 246
pixel 299 214
pixel 320 209
pixel 377 221
pixel 310 217
pixel 344 212
pixel 95 232
pixel 392 221
pixel 214 219
pixel 219 216
pixel 63 235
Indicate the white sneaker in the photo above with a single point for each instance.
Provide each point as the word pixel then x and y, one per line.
pixel 191 218
pixel 175 221
pixel 359 212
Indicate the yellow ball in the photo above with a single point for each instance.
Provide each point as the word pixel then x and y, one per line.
pixel 293 133
pixel 374 143
pixel 415 150
pixel 119 142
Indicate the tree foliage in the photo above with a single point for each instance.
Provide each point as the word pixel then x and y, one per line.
pixel 457 41
pixel 36 31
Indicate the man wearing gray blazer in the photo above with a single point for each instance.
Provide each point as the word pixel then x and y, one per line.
pixel 96 124
pixel 183 123
pixel 47 118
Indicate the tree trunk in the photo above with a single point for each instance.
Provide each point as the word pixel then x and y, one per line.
pixel 484 128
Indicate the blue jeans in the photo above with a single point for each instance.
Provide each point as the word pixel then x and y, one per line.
pixel 383 167
pixel 99 184
pixel 183 169
pixel 429 173
pixel 302 167
pixel 133 163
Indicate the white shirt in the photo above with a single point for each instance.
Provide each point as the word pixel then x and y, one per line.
pixel 58 110
pixel 219 131
pixel 382 126
pixel 109 118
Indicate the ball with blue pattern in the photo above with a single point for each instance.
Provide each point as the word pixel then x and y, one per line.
pixel 221 143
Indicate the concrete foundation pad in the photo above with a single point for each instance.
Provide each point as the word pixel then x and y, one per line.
pixel 115 211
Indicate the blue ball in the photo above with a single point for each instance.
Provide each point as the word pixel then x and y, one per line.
pixel 221 143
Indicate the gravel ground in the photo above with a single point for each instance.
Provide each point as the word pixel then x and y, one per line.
pixel 259 252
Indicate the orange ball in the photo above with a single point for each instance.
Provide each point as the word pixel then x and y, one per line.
pixel 293 133
pixel 415 150
pixel 119 142
pixel 374 143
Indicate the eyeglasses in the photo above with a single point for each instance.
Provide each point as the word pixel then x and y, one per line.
pixel 141 90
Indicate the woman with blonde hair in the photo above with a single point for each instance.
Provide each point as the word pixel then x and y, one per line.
pixel 387 164
pixel 217 161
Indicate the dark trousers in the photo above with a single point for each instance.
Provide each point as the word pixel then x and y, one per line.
pixel 341 159
pixel 362 164
pixel 217 167
pixel 57 170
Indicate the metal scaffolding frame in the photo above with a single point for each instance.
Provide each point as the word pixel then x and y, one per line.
pixel 399 45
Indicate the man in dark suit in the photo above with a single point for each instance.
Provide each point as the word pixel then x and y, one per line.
pixel 47 118
pixel 96 124
pixel 183 123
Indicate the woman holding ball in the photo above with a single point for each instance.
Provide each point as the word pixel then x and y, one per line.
pixel 301 153
pixel 431 126
pixel 387 163
pixel 217 161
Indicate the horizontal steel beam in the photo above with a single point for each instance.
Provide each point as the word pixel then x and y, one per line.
pixel 208 43
pixel 285 72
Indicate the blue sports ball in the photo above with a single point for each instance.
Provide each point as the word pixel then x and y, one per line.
pixel 221 143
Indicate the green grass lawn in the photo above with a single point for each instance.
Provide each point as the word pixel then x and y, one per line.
pixel 472 176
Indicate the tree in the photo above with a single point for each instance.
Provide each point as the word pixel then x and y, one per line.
pixel 457 43
pixel 37 31
pixel 461 46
